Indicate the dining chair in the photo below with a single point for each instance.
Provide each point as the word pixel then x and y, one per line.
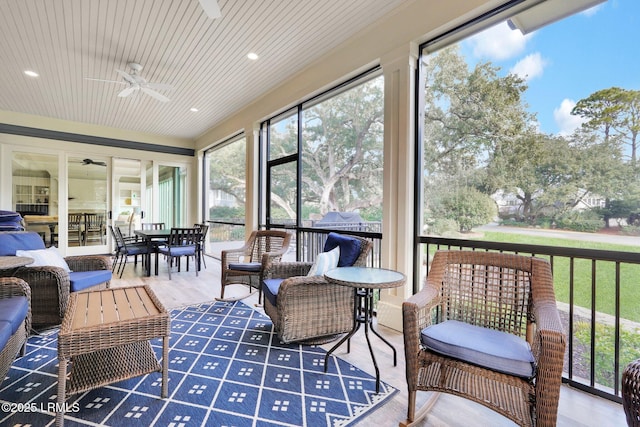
pixel 94 228
pixel 153 225
pixel 75 223
pixel 204 229
pixel 126 247
pixel 182 242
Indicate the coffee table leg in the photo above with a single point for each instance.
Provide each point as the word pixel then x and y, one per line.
pixel 62 384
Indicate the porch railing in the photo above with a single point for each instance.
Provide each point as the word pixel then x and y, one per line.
pixel 600 341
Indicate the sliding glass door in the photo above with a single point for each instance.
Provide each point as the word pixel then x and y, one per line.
pixel 87 205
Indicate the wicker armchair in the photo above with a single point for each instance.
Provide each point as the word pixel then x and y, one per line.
pixel 631 393
pixel 51 286
pixel 503 292
pixel 245 265
pixel 308 309
pixel 13 287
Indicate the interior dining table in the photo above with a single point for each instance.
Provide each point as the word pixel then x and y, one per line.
pixel 152 237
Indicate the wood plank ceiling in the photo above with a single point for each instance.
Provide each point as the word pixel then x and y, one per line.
pixel 68 41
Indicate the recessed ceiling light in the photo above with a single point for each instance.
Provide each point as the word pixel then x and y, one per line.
pixel 31 73
pixel 252 56
pixel 195 110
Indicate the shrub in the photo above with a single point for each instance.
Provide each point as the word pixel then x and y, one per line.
pixel 468 207
pixel 443 226
pixel 604 349
pixel 588 221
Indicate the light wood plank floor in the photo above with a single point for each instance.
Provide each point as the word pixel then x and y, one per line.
pixel 576 408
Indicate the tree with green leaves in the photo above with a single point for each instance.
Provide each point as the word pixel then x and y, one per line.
pixel 342 150
pixel 227 170
pixel 615 112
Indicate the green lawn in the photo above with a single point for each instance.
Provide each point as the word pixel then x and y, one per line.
pixel 605 274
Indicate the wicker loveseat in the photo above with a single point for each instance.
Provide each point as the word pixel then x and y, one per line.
pixel 309 309
pixel 485 327
pixel 51 286
pixel 15 320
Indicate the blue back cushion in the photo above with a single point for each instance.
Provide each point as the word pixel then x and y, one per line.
pixel 10 242
pixel 349 248
pixel 10 221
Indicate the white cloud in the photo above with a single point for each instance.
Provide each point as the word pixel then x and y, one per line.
pixel 567 123
pixel 498 42
pixel 529 67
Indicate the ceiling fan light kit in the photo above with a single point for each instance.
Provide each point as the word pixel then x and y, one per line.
pixel 137 83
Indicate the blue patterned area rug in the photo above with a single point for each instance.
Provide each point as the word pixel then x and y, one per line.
pixel 226 368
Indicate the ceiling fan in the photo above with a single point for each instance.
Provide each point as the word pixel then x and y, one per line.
pixel 211 8
pixel 92 162
pixel 135 82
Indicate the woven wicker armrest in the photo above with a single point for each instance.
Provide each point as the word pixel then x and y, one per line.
pixel 283 270
pixel 416 315
pixel 294 284
pixel 309 309
pixel 89 262
pixel 14 286
pixel 549 343
pixel 49 290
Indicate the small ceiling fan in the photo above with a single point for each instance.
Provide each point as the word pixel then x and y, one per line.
pixel 93 162
pixel 135 82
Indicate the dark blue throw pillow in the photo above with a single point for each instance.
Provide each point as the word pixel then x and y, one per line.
pixel 349 248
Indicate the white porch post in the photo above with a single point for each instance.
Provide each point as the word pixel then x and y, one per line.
pixel 399 147
pixel 252 178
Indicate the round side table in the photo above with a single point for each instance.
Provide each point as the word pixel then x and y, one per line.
pixel 364 281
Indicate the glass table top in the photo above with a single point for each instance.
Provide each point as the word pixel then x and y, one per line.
pixel 365 276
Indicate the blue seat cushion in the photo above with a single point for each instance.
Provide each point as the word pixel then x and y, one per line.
pixel 489 348
pixel 246 266
pixel 11 242
pixel 5 333
pixel 14 310
pixel 81 280
pixel 270 289
pixel 350 248
pixel 178 250
pixel 133 249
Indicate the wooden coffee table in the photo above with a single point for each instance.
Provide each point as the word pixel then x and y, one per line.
pixel 105 334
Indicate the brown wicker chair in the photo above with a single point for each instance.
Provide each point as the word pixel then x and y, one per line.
pixel 504 292
pixel 51 286
pixel 309 309
pixel 631 393
pixel 245 265
pixel 17 343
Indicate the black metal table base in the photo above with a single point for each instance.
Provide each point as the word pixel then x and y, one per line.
pixel 363 314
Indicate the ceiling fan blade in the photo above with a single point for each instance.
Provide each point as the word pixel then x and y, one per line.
pixel 128 77
pixel 128 91
pixel 156 95
pixel 211 8
pixel 158 86
pixel 106 81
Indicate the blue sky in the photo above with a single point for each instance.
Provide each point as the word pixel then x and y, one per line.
pixel 568 60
